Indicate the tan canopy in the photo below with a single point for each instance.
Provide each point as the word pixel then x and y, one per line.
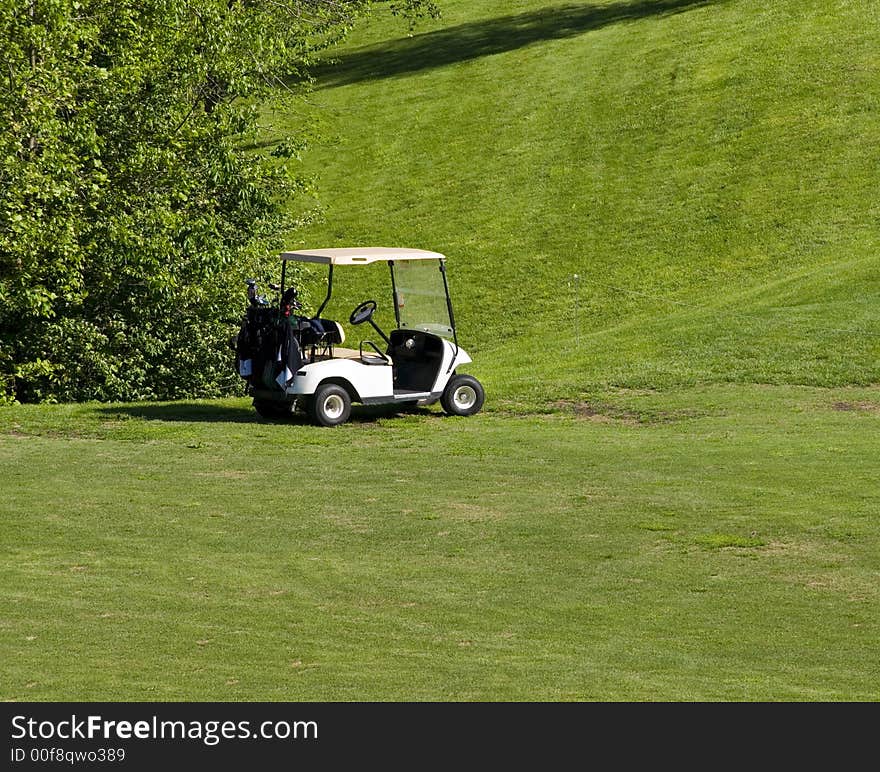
pixel 359 255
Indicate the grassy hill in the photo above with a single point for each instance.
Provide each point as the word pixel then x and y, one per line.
pixel 708 170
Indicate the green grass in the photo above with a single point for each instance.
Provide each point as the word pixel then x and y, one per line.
pixel 706 167
pixel 715 543
pixel 671 494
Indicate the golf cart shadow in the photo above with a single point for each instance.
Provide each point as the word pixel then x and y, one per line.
pixel 197 412
pixel 185 411
pixel 360 414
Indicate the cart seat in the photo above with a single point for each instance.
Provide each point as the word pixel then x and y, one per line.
pixel 345 353
pixel 332 334
pixel 351 353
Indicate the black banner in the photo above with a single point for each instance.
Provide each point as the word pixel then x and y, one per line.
pixel 289 735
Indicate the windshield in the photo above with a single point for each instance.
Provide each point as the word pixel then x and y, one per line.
pixel 421 296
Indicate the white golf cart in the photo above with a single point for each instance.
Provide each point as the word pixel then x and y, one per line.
pixel 293 362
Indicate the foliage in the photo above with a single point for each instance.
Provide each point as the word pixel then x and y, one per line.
pixel 132 202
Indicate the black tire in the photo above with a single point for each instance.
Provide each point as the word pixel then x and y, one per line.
pixel 331 405
pixel 463 395
pixel 271 410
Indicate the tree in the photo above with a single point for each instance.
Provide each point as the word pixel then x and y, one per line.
pixel 131 199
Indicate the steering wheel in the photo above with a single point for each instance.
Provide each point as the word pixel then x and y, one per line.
pixel 363 312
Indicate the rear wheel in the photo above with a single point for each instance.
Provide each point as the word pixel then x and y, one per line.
pixel 331 405
pixel 463 395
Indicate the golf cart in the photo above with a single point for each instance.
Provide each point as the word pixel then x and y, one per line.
pixel 292 362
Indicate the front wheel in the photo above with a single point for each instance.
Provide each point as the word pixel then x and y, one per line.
pixel 331 405
pixel 463 395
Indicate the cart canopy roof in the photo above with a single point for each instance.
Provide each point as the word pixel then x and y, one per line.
pixel 359 255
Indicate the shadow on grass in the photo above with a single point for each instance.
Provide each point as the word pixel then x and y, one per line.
pixel 196 412
pixel 184 411
pixel 473 40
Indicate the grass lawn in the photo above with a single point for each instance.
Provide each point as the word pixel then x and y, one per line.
pixel 713 543
pixel 672 493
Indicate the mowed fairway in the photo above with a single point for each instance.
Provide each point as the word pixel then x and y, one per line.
pixel 661 218
pixel 716 543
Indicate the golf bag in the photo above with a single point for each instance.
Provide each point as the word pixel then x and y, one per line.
pixel 268 351
pixel 257 346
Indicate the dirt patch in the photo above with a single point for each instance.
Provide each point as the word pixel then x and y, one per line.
pixel 804 550
pixel 862 407
pixel 470 511
pixel 228 474
pixel 856 589
pixel 604 413
pixel 593 411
